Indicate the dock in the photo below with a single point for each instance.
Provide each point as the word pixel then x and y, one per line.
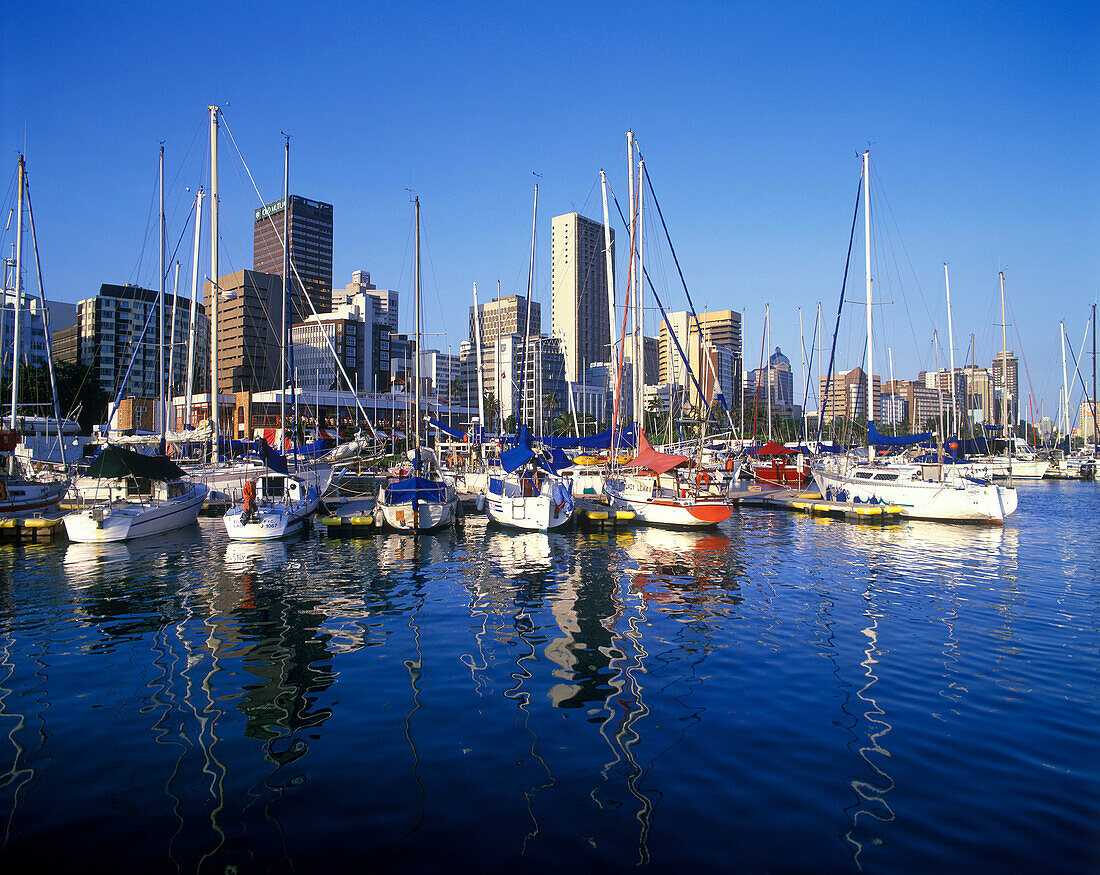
pixel 44 527
pixel 811 502
pixel 597 513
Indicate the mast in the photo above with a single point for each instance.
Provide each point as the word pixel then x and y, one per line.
pixel 477 346
pixel 639 312
pixel 1094 427
pixel 18 294
pixel 805 375
pixel 1064 406
pixel 286 285
pixel 192 318
pixel 162 405
pixel 632 274
pixel 768 366
pixel 893 388
pixel 214 282
pixel 45 326
pixel 172 342
pixel 951 350
pixel 416 353
pixel 497 364
pixel 527 327
pixel 867 269
pixel 1004 378
pixel 609 262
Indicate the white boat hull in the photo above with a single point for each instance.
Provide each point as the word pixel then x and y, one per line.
pixel 130 519
pixel 533 513
pixel 427 516
pixel 19 497
pixel 661 506
pixel 957 500
pixel 269 523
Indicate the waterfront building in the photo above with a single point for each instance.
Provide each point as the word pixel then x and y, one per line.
pixel 578 290
pixel 1086 421
pixel 981 394
pixel 310 243
pixel 32 322
pixel 895 409
pixel 315 339
pixel 378 306
pixel 439 374
pixel 1005 371
pixel 109 334
pixel 845 395
pixel 720 344
pixel 776 380
pixel 249 320
pixel 921 402
pixel 498 320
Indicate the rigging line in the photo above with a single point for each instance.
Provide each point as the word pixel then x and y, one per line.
pixel 668 236
pixel 683 356
pixel 880 195
pixel 840 306
pixel 135 274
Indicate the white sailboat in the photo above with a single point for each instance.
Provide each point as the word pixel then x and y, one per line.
pixel 274 506
pixel 171 502
pixel 422 501
pixel 921 491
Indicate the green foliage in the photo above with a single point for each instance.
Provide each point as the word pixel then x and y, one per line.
pixel 76 387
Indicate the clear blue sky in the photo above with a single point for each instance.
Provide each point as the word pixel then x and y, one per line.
pixel 982 121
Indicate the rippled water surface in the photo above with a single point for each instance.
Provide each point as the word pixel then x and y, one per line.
pixel 783 693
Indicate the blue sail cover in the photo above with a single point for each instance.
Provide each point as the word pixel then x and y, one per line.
pixel 624 438
pixel 275 460
pixel 418 488
pixel 446 429
pixel 314 449
pixel 906 440
pixel 517 456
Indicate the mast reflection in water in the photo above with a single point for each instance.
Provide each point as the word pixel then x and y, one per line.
pixel 783 692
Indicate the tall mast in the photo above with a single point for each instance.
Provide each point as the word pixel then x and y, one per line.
pixel 867 269
pixel 527 327
pixel 1094 427
pixel 416 353
pixel 951 350
pixel 893 387
pixel 497 364
pixel 767 366
pixel 18 295
pixel 1064 423
pixel 805 376
pixel 192 318
pixel 1004 378
pixel 172 342
pixel 163 408
pixel 632 275
pixel 609 262
pixel 286 287
pixel 477 347
pixel 639 291
pixel 214 290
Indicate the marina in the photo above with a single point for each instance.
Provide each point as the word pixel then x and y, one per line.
pixel 785 690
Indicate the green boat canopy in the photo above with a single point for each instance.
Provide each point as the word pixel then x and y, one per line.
pixel 115 461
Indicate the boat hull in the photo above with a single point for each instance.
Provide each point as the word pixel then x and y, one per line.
pixel 22 497
pixel 270 523
pixel 917 498
pixel 660 509
pixel 128 520
pixel 427 516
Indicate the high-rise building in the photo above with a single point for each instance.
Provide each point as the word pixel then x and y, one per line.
pixel 32 321
pixel 846 395
pixel 578 291
pixel 249 320
pixel 379 306
pixel 774 381
pixel 316 338
pixel 498 320
pixel 920 403
pixel 310 236
pixel 721 337
pixel 1006 361
pixel 110 328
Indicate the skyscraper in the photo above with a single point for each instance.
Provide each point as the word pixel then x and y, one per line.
pixel 1006 361
pixel 578 291
pixel 721 342
pixel 310 233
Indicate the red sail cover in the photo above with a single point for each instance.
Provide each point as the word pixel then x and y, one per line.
pixel 656 462
pixel 771 448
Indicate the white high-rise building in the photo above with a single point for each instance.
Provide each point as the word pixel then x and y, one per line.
pixel 578 291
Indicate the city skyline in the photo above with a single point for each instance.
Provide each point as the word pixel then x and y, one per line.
pixel 981 123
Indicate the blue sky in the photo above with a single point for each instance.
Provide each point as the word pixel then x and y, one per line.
pixel 981 118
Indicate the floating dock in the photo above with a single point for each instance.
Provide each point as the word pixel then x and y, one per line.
pixel 597 513
pixel 811 502
pixel 45 527
pixel 347 517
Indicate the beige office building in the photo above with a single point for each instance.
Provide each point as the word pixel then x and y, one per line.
pixel 578 291
pixel 249 316
pixel 846 395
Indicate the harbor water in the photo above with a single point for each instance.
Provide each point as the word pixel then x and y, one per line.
pixel 782 693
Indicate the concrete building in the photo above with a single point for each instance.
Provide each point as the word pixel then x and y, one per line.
pixel 439 372
pixel 498 320
pixel 721 337
pixel 921 402
pixel 895 410
pixel 109 335
pixel 981 395
pixel 774 379
pixel 578 290
pixel 314 341
pixel 845 395
pixel 378 306
pixel 33 320
pixel 249 324
pixel 1006 363
pixel 310 234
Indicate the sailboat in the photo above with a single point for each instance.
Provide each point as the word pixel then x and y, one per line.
pixel 421 501
pixel 21 492
pixel 280 504
pixel 173 501
pixel 924 491
pixel 529 493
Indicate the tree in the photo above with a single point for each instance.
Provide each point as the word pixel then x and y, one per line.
pixel 77 389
